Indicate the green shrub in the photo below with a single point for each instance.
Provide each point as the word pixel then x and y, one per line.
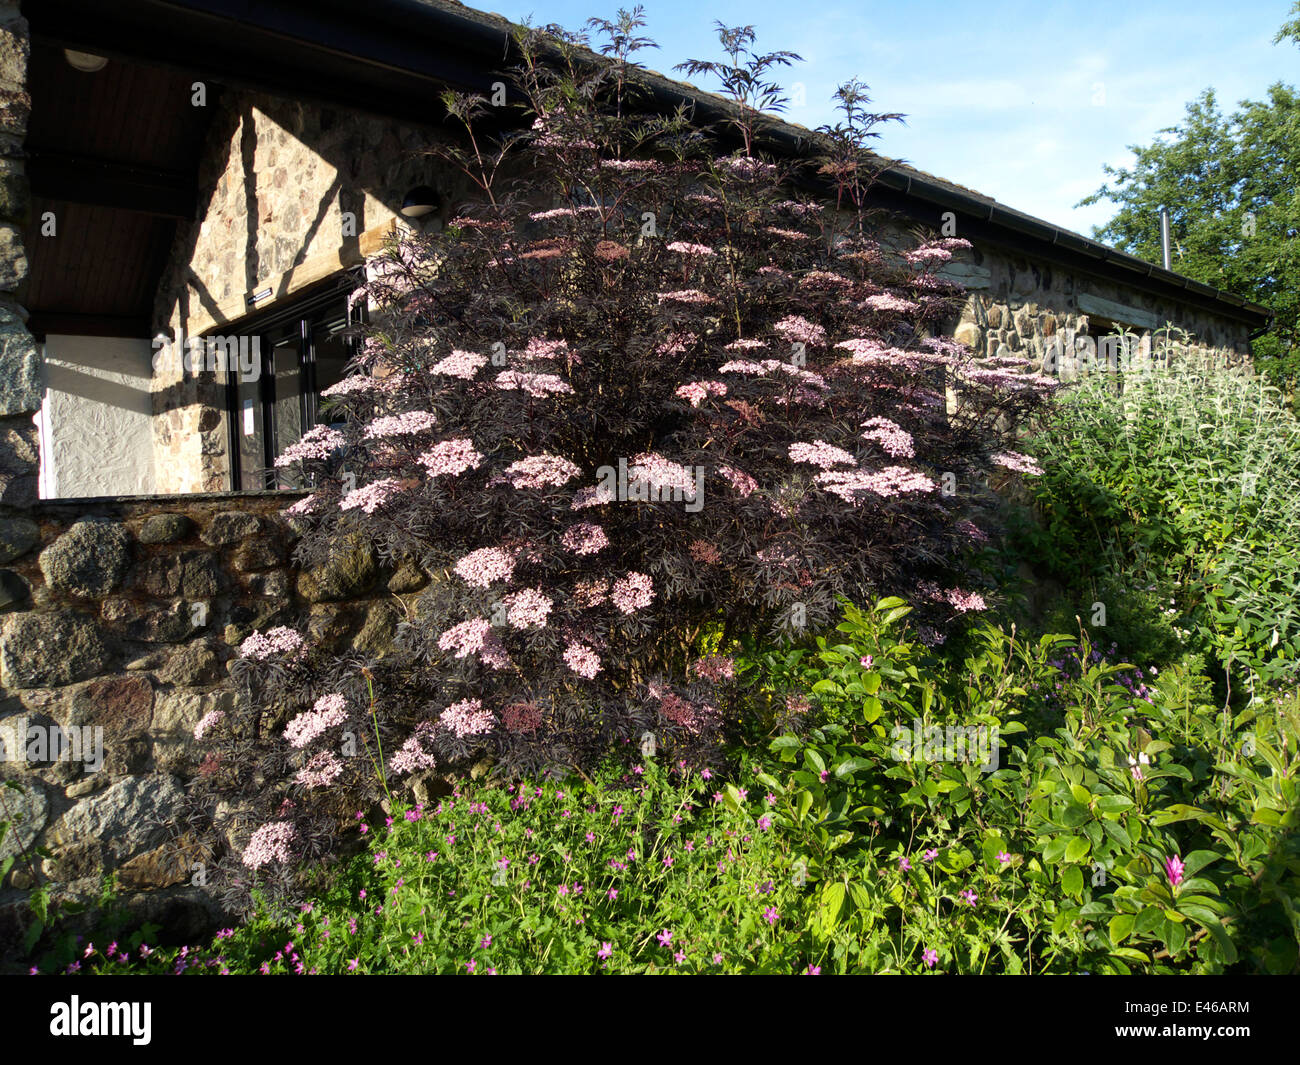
pixel 1020 806
pixel 1175 494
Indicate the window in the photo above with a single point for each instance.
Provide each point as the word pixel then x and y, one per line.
pixel 297 351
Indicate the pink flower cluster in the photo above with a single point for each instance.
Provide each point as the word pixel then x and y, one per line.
pixel 538 348
pixel 739 480
pixel 660 473
pixel 786 234
pixel 462 364
pixel 891 481
pixel 321 771
pixel 633 592
pixel 278 641
pixel 716 668
pixel 1013 460
pixel 539 471
pixel 304 506
pixel 891 436
pixel 585 538
pixel 886 302
pixel 824 280
pixel 686 295
pixel 630 164
pixel 467 718
pixel 270 843
pixel 746 345
pixel 451 458
pixel 964 601
pixel 582 659
pixel 407 424
pixel 592 496
pixel 372 496
pixel 326 712
pixel 412 756
pixel 698 391
pixel 358 383
pixel 527 608
pixel 475 637
pixel 486 565
pixel 820 453
pixel 210 720
pixel 536 385
pixel 686 248
pixel 927 253
pixel 316 443
pixel 799 330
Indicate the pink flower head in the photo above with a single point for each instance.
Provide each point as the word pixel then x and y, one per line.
pixel 930 957
pixel 632 593
pixel 1174 870
pixel 467 718
pixel 451 458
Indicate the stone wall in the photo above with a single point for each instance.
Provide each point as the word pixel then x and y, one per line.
pixel 20 366
pixel 1021 306
pixel 123 617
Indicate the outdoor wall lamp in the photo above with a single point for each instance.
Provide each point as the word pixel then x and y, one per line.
pixel 84 61
pixel 419 202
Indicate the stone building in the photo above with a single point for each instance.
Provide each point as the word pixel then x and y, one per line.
pixel 217 169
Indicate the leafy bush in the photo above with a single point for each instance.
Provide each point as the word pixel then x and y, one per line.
pixel 1126 829
pixel 563 375
pixel 882 825
pixel 1177 490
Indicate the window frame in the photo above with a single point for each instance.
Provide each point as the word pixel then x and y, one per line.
pixel 307 309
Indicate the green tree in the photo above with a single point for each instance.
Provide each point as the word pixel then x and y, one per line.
pixel 1232 187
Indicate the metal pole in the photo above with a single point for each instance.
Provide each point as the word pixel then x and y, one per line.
pixel 1164 235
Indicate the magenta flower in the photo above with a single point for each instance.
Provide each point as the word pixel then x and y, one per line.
pixel 679 957
pixel 813 970
pixel 764 823
pixel 770 915
pixel 606 949
pixel 1174 870
pixel 969 896
pixel 930 855
pixel 904 863
pixel 665 937
pixel 931 958
pixel 1004 857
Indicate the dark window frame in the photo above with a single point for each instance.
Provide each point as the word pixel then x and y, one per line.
pixel 307 309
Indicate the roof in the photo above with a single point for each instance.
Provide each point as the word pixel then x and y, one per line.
pixel 382 57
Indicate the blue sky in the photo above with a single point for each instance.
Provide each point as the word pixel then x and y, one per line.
pixel 1022 101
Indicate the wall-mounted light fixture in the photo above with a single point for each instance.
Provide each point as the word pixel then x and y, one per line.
pixel 420 201
pixel 260 296
pixel 84 61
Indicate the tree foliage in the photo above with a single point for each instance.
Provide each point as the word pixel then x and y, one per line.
pixel 637 399
pixel 1230 185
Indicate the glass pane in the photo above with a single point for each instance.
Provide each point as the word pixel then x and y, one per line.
pixel 332 351
pixel 286 410
pixel 249 433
